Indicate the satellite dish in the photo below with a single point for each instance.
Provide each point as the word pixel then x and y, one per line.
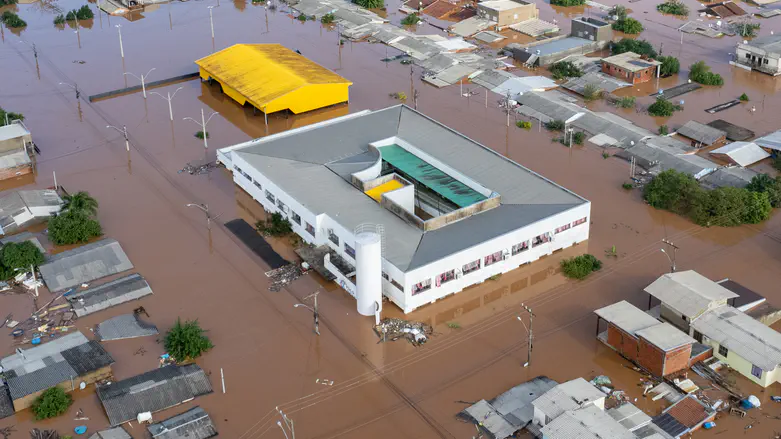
pixel 718 23
pixel 632 142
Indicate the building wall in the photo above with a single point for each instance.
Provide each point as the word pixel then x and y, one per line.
pixel 757 59
pixel 624 343
pixel 507 17
pixel 68 386
pixel 591 32
pixel 15 171
pixel 16 143
pixel 742 366
pixel 558 56
pixel 675 318
pixel 702 357
pixel 644 75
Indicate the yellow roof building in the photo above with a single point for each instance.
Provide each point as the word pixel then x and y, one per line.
pixel 273 78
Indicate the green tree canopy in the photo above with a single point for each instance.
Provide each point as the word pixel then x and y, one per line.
pixel 73 227
pixel 672 190
pixel 370 4
pixel 187 340
pixel 670 66
pixel 766 184
pixel 80 202
pixel 20 255
pixel 580 266
pixel 700 72
pixel 628 26
pixel 51 403
pixel 662 108
pixel 565 69
pixel 641 47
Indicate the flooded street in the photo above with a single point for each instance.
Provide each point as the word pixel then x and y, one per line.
pixel 266 348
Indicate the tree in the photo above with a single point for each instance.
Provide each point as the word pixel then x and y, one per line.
pixel 10 115
pixel 628 26
pixel 663 130
pixel 663 108
pixel 620 12
pixel 12 20
pixel 766 184
pixel 640 47
pixel 626 102
pixel 53 402
pixel 8 2
pixel 673 7
pixel 410 20
pixel 700 72
pixel 565 69
pixel 672 190
pixel 187 340
pixel 20 255
pixel 758 208
pixel 80 202
pixel 327 18
pixel 591 92
pixel 526 125
pixel 670 66
pixel 744 98
pixel 59 19
pixel 370 4
pixel 580 266
pixel 554 125
pixel 73 227
pixel 276 225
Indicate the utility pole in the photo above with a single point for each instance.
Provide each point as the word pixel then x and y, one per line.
pixel 75 87
pixel 123 131
pixel 202 124
pixel 205 209
pixel 507 106
pixel 121 47
pixel 35 50
pixel 169 99
pixel 315 310
pixel 674 248
pixel 141 78
pixel 531 335
pixel 211 21
pixel 287 427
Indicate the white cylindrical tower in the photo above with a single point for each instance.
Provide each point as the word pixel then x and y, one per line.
pixel 368 272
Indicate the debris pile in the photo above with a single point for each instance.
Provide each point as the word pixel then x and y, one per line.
pixel 393 329
pixel 283 276
pixel 47 322
pixel 44 434
pixel 198 169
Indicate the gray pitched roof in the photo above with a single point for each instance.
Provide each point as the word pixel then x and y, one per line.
pixel 700 132
pixel 85 264
pixel 124 326
pixel 586 423
pixel 688 292
pixel 313 166
pixel 109 294
pixel 192 424
pixel 567 396
pixel 152 391
pixel 111 433
pixel 6 406
pixel 51 363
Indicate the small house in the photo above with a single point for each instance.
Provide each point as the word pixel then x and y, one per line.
pixel 684 417
pixel 592 29
pixel 24 208
pixel 761 54
pixel 192 424
pixel 631 67
pixel 503 13
pixel 16 147
pixel 741 153
pixel 701 135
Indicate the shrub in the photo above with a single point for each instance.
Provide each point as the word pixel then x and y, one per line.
pixel 641 47
pixel 20 256
pixel 85 13
pixel 628 26
pixel 453 325
pixel 700 72
pixel 51 403
pixel 663 130
pixel 777 162
pixel 327 18
pixel 578 137
pixel 11 116
pixel 276 225
pixel 8 2
pixel 626 102
pixel 567 3
pixel 746 28
pixel 410 19
pixel 258 1
pixel 592 92
pixel 80 202
pixel 565 69
pixel 743 97
pixel 201 134
pixel 627 186
pixel 670 65
pixel 302 17
pixel 619 11
pixel 12 20
pixel 186 341
pixel 73 227
pixel 524 124
pixel 60 19
pixel 605 155
pixel 580 266
pixel 370 4
pixel 555 125
pixel 766 184
pixel 663 108
pixel 673 7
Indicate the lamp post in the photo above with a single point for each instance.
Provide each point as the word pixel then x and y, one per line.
pixel 141 78
pixel 286 425
pixel 121 47
pixel 123 131
pixel 203 124
pixel 211 19
pixel 169 98
pixel 75 87
pixel 529 330
pixel 205 209
pixel 667 253
pixel 314 310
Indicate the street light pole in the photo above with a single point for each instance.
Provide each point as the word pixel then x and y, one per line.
pixel 315 310
pixel 667 253
pixel 74 87
pixel 205 209
pixel 169 98
pixel 142 78
pixel 288 425
pixel 211 19
pixel 203 124
pixel 531 334
pixel 121 47
pixel 123 131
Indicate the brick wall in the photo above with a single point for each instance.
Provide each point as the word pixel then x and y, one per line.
pixel 651 358
pixel 624 343
pixel 677 359
pixel 702 357
pixel 617 72
pixel 15 171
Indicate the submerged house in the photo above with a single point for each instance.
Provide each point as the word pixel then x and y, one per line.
pixel 761 54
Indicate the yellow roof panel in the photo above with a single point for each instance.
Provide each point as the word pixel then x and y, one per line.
pixel 377 192
pixel 264 72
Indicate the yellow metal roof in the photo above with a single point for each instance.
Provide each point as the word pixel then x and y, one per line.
pixel 377 192
pixel 264 72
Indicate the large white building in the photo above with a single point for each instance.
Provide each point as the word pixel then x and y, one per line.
pixel 451 212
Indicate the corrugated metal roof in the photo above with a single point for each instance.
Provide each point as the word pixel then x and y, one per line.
pixel 743 335
pixel 264 72
pixel 665 336
pixel 112 433
pixel 742 153
pixel 109 294
pixel 688 292
pixel 567 396
pixel 87 357
pixel 192 424
pixel 586 423
pixel 84 264
pixel 629 416
pixel 124 326
pixel 700 132
pixel 627 317
pixel 770 141
pixel 6 405
pixel 152 391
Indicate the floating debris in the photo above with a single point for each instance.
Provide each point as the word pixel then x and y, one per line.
pixel 44 434
pixel 283 276
pixel 198 169
pixel 416 333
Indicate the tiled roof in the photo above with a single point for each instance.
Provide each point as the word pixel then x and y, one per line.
pixel 41 379
pixel 6 406
pixel 152 391
pixel 684 415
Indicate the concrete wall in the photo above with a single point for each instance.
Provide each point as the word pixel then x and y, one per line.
pixel 675 318
pixel 756 59
pixel 16 143
pixel 744 367
pixel 68 386
pixel 558 56
pixel 644 75
pixel 591 31
pixel 507 17
pixel 15 171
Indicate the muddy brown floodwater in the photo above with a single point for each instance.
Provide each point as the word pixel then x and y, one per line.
pixel 266 347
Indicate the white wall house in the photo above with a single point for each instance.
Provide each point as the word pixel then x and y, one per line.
pixel 471 214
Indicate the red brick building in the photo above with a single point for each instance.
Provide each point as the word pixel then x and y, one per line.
pixel 660 348
pixel 631 67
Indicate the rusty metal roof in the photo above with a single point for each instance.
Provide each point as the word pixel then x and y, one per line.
pixel 264 72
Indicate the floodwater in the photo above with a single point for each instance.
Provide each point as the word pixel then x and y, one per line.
pixel 265 347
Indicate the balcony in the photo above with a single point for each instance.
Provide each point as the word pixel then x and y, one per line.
pixel 342 270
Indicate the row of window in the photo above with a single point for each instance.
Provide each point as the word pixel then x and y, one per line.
pixel 491 259
pixel 755 370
